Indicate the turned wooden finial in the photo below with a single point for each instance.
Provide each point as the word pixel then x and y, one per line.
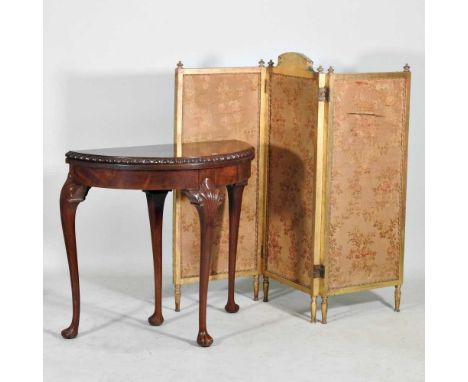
pixel 331 70
pixel 271 63
pixel 261 63
pixel 180 65
pixel 320 69
pixel 406 68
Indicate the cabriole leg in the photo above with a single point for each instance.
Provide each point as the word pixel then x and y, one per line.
pixel 266 286
pixel 207 200
pixel 155 201
pixel 72 194
pixel 397 297
pixel 235 192
pixel 256 287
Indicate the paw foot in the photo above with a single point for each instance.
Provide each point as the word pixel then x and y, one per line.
pixel 204 339
pixel 70 332
pixel 156 319
pixel 265 299
pixel 231 307
pixel 255 298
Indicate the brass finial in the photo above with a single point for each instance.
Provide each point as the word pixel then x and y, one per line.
pixel 331 70
pixel 406 68
pixel 261 63
pixel 320 69
pixel 271 63
pixel 180 65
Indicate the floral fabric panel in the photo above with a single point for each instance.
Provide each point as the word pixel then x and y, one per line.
pixel 367 143
pixel 291 177
pixel 215 107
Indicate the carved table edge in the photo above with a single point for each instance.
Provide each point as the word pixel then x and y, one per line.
pixel 244 154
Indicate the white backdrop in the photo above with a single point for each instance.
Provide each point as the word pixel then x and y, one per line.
pixel 109 81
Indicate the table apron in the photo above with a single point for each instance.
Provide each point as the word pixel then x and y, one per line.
pixel 157 180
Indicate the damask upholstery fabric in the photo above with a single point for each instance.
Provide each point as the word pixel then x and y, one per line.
pixel 291 177
pixel 367 169
pixel 219 106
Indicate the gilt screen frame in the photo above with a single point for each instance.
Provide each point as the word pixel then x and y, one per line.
pixel 325 288
pixel 295 65
pixel 180 73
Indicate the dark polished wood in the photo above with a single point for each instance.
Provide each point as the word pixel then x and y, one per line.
pixel 207 200
pixel 201 172
pixel 155 200
pixel 72 194
pixel 193 155
pixel 235 192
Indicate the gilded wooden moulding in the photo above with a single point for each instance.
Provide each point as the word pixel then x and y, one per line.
pixel 366 181
pixel 292 128
pixel 220 104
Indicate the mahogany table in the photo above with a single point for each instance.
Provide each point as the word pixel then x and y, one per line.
pixel 202 170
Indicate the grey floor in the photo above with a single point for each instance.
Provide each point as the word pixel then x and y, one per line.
pixel 364 339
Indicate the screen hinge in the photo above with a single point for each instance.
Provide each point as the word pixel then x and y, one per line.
pixel 318 272
pixel 324 94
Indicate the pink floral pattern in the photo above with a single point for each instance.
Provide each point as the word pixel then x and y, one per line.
pixel 291 176
pixel 219 106
pixel 368 168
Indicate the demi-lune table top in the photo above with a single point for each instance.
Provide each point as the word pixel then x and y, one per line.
pixel 193 154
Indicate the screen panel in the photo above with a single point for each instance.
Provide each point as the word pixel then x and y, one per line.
pixel 220 104
pixel 366 186
pixel 292 136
